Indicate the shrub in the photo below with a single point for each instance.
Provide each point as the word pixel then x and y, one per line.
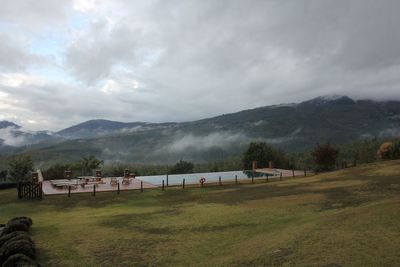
pixel 23 219
pixel 21 246
pixel 385 150
pixel 19 259
pixel 15 226
pixel 389 150
pixel 13 236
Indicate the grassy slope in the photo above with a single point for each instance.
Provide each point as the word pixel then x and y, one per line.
pixel 349 217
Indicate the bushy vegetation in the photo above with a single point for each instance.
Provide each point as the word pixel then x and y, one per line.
pixel 389 150
pixel 16 246
pixel 182 167
pixel 19 168
pixel 3 175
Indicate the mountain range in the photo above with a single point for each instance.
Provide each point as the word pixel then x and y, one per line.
pixel 292 127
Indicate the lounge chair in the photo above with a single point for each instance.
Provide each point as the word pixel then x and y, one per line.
pixel 114 181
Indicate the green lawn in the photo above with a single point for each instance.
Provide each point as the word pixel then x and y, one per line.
pixel 349 217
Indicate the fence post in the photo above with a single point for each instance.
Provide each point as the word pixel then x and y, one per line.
pixel 167 179
pixel 94 189
pixel 141 186
pixel 69 191
pixel 41 190
pixel 293 172
pixel 280 177
pixel 266 179
pixel 162 185
pixel 252 178
pixel 305 172
pixel 118 187
pixel 235 179
pixel 219 180
pixel 183 183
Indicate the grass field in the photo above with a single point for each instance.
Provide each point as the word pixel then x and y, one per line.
pixel 349 218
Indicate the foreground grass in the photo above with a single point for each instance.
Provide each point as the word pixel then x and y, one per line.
pixel 349 218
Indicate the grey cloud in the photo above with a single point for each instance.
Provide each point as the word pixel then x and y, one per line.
pixel 194 59
pixel 93 54
pixel 34 14
pixel 13 54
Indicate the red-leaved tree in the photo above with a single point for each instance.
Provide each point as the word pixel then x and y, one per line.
pixel 325 157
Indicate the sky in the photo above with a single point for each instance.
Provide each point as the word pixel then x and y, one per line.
pixel 64 62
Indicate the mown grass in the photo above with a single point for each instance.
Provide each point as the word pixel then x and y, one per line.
pixel 344 218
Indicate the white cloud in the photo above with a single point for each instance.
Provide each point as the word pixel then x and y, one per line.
pixel 11 138
pixel 216 139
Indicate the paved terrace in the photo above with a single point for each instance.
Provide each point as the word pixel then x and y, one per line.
pixel 48 189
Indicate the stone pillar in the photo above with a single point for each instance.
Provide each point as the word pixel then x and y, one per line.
pixel 98 173
pixel 254 166
pixel 35 177
pixel 67 174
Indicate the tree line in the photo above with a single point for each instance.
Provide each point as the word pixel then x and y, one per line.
pixel 324 157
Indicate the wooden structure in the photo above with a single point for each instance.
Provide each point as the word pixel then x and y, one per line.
pixel 30 190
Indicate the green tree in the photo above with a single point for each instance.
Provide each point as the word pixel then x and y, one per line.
pixel 3 175
pixel 182 167
pixel 88 164
pixel 263 153
pixel 19 168
pixel 56 171
pixel 325 157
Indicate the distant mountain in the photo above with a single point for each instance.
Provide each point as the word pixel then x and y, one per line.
pixel 98 128
pixel 14 139
pixel 292 127
pixel 93 128
pixel 5 124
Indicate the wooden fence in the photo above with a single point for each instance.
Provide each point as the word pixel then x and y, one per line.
pixel 29 190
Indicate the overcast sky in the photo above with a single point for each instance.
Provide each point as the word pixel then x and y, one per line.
pixel 64 62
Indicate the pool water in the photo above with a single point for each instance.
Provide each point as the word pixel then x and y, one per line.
pixel 193 178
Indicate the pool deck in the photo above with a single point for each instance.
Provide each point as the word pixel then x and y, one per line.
pixel 49 189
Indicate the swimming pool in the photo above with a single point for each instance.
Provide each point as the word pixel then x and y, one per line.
pixel 193 178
